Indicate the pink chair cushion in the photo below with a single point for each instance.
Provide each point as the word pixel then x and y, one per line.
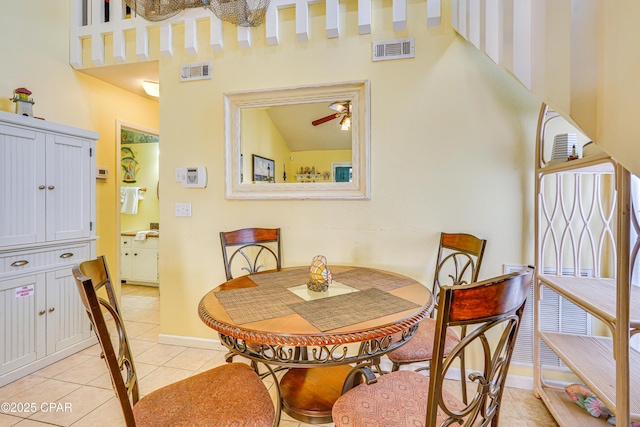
pixel 420 346
pixel 397 399
pixel 230 395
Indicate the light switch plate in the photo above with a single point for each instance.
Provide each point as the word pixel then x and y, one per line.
pixel 181 174
pixel 183 209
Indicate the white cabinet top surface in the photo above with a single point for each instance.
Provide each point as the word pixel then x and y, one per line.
pixel 45 125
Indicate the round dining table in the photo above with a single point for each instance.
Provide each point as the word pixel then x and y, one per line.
pixel 274 318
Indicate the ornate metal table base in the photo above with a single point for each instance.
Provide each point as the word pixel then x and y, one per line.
pixel 308 394
pixel 317 375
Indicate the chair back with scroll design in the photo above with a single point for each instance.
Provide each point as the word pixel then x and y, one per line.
pixel 214 397
pixel 92 276
pixel 492 311
pixel 459 259
pixel 250 248
pixel 458 263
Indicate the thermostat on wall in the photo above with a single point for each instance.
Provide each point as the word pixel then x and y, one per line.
pixel 102 173
pixel 195 177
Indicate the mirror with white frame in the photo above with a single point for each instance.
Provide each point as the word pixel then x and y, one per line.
pixel 273 151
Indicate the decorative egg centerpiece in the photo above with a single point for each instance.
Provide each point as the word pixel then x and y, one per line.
pixel 319 275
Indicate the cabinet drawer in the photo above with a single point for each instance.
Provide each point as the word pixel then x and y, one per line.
pixel 33 260
pixel 149 243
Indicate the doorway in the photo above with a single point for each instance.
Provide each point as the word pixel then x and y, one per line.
pixel 138 188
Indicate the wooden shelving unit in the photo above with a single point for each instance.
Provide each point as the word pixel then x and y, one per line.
pixel 595 295
pixel 583 221
pixel 566 412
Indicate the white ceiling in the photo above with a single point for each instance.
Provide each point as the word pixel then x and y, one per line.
pixel 294 124
pixel 127 76
pixel 292 121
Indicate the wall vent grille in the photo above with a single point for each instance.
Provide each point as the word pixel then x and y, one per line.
pixel 556 314
pixel 393 49
pixel 197 71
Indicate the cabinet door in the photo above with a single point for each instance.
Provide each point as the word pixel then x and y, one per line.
pixel 125 258
pixel 144 265
pixel 69 184
pixel 22 321
pixel 22 183
pixel 67 321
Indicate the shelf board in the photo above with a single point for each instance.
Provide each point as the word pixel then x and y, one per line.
pixel 601 163
pixel 566 412
pixel 597 296
pixel 591 359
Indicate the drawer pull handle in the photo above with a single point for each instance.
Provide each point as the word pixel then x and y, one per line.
pixel 41 187
pixel 51 187
pixel 42 312
pixel 66 255
pixel 135 254
pixel 52 309
pixel 19 263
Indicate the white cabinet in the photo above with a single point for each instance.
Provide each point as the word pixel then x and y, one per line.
pixel 40 315
pixel 21 328
pixel 47 217
pixel 45 185
pixel 65 314
pixel 70 184
pixel 22 173
pixel 126 246
pixel 139 263
pixel 583 223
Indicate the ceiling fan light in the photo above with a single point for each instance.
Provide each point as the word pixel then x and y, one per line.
pixel 345 123
pixel 340 107
pixel 152 88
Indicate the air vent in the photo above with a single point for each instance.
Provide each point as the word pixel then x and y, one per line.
pixel 393 49
pixel 197 71
pixel 556 314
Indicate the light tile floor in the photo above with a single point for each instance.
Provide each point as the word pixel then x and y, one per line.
pixel 81 381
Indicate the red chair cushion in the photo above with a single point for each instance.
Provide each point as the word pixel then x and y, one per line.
pixel 420 346
pixel 397 399
pixel 230 395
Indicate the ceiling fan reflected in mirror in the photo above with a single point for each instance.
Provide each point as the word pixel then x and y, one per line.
pixel 342 109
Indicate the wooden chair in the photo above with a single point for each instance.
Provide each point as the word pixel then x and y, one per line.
pixel 232 394
pixel 408 398
pixel 458 263
pixel 251 243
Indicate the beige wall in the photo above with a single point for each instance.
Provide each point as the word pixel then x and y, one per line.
pixel 619 85
pixel 452 140
pixel 262 139
pixel 34 47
